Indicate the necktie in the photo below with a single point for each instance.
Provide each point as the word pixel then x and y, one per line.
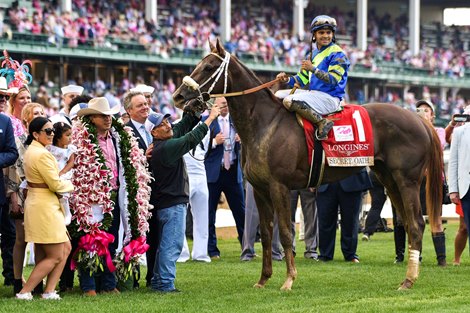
pixel 147 135
pixel 226 150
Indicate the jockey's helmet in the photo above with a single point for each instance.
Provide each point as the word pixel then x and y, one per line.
pixel 323 21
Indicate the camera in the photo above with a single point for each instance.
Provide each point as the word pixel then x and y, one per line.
pixel 461 118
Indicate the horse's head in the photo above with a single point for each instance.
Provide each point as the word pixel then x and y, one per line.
pixel 211 75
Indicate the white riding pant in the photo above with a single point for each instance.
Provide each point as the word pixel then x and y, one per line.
pixel 199 201
pixel 321 102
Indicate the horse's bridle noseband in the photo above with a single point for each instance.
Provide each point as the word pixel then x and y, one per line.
pixel 205 96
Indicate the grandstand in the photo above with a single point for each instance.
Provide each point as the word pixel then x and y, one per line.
pixel 112 42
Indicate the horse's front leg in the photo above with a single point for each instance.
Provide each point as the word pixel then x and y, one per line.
pixel 266 218
pixel 281 201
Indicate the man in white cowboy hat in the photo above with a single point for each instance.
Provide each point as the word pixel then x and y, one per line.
pixel 147 91
pixel 5 93
pixel 101 116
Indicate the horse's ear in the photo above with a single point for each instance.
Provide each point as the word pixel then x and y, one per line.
pixel 220 48
pixel 211 46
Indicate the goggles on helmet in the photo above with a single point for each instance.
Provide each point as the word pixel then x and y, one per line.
pixel 323 21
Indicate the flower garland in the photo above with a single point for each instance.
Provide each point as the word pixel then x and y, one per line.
pixel 92 177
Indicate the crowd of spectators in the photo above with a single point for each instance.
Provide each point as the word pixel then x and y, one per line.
pixel 261 32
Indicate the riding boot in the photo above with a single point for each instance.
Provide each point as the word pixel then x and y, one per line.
pixel 323 125
pixel 17 285
pixel 439 241
pixel 399 235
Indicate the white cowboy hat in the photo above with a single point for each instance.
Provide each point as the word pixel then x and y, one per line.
pixel 142 88
pixel 4 87
pixel 99 105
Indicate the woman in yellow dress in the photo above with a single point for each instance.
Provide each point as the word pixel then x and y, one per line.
pixel 43 217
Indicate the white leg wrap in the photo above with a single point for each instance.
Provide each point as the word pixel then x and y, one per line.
pixel 413 265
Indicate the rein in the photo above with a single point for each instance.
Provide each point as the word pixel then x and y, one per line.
pixel 223 68
pixel 246 91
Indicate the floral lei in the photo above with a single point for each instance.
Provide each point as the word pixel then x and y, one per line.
pixel 91 178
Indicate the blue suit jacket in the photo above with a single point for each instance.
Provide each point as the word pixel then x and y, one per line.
pixel 357 182
pixel 213 161
pixel 8 151
pixel 137 136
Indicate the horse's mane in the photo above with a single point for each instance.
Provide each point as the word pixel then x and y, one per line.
pixel 269 91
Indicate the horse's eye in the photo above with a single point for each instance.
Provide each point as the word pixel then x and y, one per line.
pixel 207 67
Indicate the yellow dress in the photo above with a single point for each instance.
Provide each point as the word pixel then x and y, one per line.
pixel 43 215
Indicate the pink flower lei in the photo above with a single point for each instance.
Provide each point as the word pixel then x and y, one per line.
pixel 91 181
pixel 91 178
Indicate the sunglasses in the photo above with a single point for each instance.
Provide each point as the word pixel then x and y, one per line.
pixel 6 97
pixel 48 131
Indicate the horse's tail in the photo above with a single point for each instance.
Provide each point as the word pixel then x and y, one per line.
pixel 434 180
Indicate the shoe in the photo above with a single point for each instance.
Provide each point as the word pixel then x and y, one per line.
pixel 215 257
pixel 111 291
pixel 398 261
pixel 53 295
pixel 365 237
pixel 24 296
pixel 90 293
pixel 354 260
pixel 205 259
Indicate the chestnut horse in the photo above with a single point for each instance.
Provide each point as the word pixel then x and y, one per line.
pixel 275 158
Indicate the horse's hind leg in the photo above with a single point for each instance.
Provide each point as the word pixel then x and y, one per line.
pixel 409 209
pixel 266 218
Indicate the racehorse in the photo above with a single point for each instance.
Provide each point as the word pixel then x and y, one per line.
pixel 275 156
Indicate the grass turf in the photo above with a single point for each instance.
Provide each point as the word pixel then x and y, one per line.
pixel 225 285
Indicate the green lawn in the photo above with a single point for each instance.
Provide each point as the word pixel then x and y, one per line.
pixel 337 286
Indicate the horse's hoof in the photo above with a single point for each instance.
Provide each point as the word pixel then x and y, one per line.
pixel 286 288
pixel 406 284
pixel 258 285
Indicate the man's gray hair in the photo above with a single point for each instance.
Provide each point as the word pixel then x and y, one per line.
pixel 126 101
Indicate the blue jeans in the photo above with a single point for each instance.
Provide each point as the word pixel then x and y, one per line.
pixel 171 224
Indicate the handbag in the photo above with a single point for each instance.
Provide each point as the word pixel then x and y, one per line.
pixel 445 192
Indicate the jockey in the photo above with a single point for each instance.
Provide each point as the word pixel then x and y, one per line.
pixel 325 75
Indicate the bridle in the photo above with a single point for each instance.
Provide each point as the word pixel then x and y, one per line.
pixel 205 96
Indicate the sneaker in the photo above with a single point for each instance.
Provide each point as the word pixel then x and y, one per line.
pixel 53 295
pixel 365 237
pixel 24 296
